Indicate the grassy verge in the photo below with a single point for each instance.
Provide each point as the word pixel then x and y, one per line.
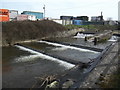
pixel 93 28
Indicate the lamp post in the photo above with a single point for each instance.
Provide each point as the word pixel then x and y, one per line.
pixel 44 11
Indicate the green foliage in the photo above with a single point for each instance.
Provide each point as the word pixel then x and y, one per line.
pixel 95 28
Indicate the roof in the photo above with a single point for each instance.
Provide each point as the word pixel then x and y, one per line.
pixel 14 10
pixel 33 11
pixel 4 10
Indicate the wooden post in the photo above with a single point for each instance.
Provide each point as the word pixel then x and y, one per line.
pixel 85 38
pixel 95 41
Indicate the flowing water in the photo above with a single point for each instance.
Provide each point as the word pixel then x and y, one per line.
pixel 21 64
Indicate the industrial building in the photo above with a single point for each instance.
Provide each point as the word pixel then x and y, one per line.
pixel 77 22
pixel 26 17
pixel 39 15
pixel 66 17
pixel 22 17
pixel 97 18
pixel 13 15
pixel 84 18
pixel 4 15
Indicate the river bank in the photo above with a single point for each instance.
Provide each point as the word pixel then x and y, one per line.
pixel 29 31
pixel 102 72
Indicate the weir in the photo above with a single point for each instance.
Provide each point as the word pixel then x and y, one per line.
pixel 67 46
pixel 93 65
pixel 47 55
pixel 92 49
pixel 100 36
pixel 67 60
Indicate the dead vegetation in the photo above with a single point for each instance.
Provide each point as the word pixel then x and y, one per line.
pixel 28 30
pixel 42 82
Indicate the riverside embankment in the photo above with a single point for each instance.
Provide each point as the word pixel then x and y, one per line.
pixel 26 31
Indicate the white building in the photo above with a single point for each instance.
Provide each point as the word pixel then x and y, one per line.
pixel 67 22
pixel 26 17
pixel 32 17
pixel 57 21
pixel 22 17
pixel 95 18
pixel 13 14
pixel 63 22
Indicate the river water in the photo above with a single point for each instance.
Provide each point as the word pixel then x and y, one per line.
pixel 20 65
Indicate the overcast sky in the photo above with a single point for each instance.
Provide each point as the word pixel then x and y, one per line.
pixel 56 8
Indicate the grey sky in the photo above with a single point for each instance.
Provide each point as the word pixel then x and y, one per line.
pixel 56 8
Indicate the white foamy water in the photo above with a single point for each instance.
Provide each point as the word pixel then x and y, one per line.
pixel 65 46
pixel 27 58
pixel 60 49
pixel 113 39
pixel 81 35
pixel 43 56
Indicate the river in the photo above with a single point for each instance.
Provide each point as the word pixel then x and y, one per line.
pixel 22 64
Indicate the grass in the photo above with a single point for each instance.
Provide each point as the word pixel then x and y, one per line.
pixel 93 28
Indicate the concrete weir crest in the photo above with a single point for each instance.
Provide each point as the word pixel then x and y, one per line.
pixel 41 55
pixel 67 46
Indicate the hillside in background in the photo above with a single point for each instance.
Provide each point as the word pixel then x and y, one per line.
pixel 16 31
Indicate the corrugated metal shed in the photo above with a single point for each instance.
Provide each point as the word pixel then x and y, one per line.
pixel 39 15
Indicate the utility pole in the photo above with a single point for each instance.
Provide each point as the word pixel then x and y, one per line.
pixel 44 11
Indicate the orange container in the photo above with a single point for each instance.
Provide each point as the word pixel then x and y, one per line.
pixel 4 15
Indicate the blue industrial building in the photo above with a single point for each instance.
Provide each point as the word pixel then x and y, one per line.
pixel 81 22
pixel 39 15
pixel 77 22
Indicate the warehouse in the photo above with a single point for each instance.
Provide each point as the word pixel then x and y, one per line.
pixel 39 15
pixel 77 22
pixel 84 18
pixel 66 17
